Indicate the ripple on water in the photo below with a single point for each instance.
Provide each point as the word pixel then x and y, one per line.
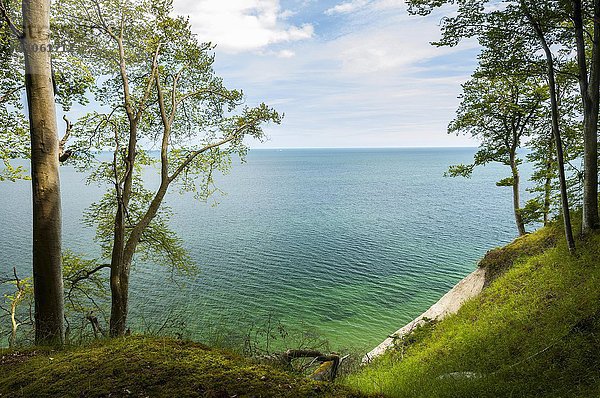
pixel 349 243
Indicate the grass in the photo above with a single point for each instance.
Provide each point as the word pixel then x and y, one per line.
pixel 149 367
pixel 534 332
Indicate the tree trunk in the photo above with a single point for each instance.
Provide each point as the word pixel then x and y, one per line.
pixel 119 294
pixel 123 252
pixel 47 270
pixel 555 127
pixel 560 156
pixel 548 182
pixel 516 195
pixel 559 152
pixel 590 94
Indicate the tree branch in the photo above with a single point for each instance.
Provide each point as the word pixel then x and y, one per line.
pixel 85 274
pixel 63 154
pixel 4 14
pixel 5 96
pixel 142 105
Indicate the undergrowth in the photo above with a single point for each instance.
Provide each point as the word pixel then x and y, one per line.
pixel 149 367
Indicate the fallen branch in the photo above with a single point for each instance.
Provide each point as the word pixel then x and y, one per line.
pixel 327 370
pixel 96 326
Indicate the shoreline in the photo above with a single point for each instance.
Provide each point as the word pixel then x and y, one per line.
pixel 470 286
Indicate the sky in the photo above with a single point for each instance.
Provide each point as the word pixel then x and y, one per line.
pixel 355 73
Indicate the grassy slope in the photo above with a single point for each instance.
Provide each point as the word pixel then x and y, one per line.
pixel 534 332
pixel 149 367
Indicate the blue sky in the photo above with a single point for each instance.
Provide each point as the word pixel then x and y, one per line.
pixel 355 73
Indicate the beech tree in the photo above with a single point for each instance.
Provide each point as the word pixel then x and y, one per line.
pixel 538 27
pixel 47 271
pixel 542 154
pixel 159 90
pixel 500 110
pixel 544 39
pixel 585 16
pixel 27 66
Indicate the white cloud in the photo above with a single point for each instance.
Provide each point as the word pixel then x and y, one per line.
pixel 396 48
pixel 286 54
pixel 373 80
pixel 387 4
pixel 242 25
pixel 347 7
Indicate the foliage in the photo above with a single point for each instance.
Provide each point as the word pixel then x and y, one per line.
pixel 71 78
pixel 499 111
pixel 158 90
pixel 159 244
pixel 14 139
pixel 549 39
pixel 85 294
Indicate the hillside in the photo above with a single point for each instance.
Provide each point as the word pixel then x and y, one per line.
pixel 534 332
pixel 149 367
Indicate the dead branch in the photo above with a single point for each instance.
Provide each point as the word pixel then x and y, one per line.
pixel 327 370
pixel 65 154
pixel 96 326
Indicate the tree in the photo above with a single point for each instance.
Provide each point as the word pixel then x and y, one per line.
pixel 540 34
pixel 586 14
pixel 542 153
pixel 535 27
pixel 160 90
pixel 500 110
pixel 47 270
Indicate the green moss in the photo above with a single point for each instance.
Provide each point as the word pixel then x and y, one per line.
pixel 535 332
pixel 151 367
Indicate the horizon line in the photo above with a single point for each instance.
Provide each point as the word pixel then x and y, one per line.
pixel 366 147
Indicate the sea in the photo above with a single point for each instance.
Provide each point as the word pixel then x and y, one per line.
pixel 336 245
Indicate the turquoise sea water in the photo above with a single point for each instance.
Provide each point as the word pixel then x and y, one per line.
pixel 350 243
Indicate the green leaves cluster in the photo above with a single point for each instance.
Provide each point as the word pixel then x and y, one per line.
pixel 506 104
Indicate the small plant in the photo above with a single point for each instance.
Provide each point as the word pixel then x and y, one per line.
pixel 21 292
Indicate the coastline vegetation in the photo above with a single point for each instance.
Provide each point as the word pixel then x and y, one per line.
pixel 532 332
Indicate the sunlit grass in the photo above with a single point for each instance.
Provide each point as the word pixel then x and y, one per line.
pixel 534 332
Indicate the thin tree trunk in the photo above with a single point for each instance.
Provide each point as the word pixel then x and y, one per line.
pixel 119 267
pixel 548 182
pixel 120 264
pixel 559 154
pixel 122 256
pixel 118 311
pixel 47 270
pixel 516 195
pixel 555 128
pixel 590 94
